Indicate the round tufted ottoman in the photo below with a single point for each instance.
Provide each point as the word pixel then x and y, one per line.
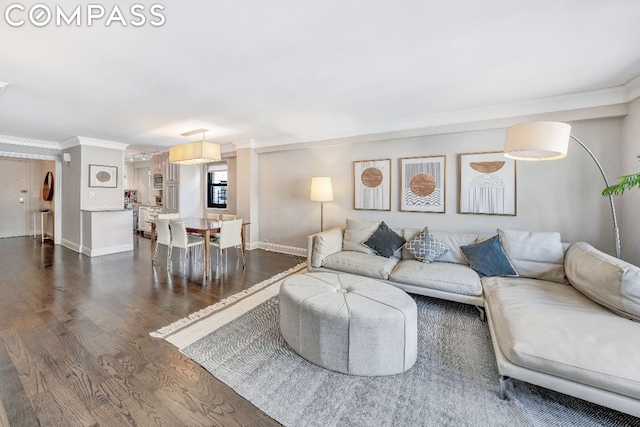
pixel 348 323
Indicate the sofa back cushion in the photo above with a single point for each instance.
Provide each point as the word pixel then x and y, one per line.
pixel 535 254
pixel 356 233
pixel 451 240
pixel 325 244
pixel 604 279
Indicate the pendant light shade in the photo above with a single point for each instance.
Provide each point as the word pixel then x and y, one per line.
pixel 537 141
pixel 195 153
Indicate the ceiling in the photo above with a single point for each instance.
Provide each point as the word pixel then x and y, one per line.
pixel 298 70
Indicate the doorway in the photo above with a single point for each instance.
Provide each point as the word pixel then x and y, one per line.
pixel 15 197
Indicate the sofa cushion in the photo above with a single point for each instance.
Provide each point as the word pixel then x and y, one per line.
pixel 554 329
pixel 606 280
pixel 451 240
pixel 384 241
pixel 324 244
pixel 535 254
pixel 442 276
pixel 355 234
pixel 487 258
pixel 358 263
pixel 425 246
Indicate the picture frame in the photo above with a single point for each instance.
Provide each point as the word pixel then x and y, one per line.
pixel 423 184
pixel 103 176
pixel 372 185
pixel 487 184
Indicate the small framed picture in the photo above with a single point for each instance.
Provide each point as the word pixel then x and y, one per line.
pixel 103 176
pixel 422 184
pixel 487 184
pixel 372 185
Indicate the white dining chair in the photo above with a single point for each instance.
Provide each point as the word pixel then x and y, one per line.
pixel 169 216
pixel 213 216
pixel 163 238
pixel 230 237
pixel 182 240
pixel 228 217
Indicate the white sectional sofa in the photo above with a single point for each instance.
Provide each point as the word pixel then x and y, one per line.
pixel 570 320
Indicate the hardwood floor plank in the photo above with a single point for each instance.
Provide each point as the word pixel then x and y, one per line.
pixel 75 348
pixel 17 407
pixel 4 420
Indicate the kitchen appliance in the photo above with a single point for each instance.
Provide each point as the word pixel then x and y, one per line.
pixel 157 180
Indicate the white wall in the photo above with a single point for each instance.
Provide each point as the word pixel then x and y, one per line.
pixel 71 199
pixel 142 182
pixel 630 200
pixel 190 204
pixel 559 195
pixel 98 197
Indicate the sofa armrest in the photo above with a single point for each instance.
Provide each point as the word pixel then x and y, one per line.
pixel 323 244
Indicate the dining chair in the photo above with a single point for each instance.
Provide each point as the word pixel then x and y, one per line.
pixel 180 239
pixel 213 216
pixel 169 216
pixel 163 238
pixel 230 237
pixel 228 217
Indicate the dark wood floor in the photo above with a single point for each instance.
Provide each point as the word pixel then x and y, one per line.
pixel 75 346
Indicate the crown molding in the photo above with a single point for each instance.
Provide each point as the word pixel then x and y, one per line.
pixel 91 142
pixel 28 156
pixel 26 142
pixel 249 143
pixel 632 87
pixel 574 101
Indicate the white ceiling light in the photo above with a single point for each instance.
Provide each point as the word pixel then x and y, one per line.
pixel 195 152
pixel 3 85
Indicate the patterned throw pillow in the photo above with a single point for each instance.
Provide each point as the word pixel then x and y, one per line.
pixel 426 247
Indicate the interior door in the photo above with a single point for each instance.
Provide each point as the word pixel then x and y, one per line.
pixel 14 198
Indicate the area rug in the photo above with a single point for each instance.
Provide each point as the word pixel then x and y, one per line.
pixel 453 383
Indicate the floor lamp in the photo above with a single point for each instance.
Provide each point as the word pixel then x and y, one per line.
pixel 321 191
pixel 549 141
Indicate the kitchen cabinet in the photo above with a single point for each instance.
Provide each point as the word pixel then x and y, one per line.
pixel 171 200
pixel 145 214
pixel 173 173
pixel 158 162
pixel 171 180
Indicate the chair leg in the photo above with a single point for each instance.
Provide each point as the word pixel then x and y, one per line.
pixel 238 249
pixel 504 381
pixel 155 255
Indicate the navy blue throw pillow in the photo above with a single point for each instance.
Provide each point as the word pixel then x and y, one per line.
pixel 488 258
pixel 385 241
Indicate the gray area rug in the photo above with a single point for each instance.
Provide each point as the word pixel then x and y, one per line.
pixel 454 381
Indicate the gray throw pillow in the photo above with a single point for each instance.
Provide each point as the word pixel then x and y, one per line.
pixel 487 258
pixel 426 247
pixel 385 241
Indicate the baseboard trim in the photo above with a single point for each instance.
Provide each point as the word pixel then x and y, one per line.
pixel 107 251
pixel 289 250
pixel 71 245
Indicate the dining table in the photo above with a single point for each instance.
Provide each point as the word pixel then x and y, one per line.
pixel 206 227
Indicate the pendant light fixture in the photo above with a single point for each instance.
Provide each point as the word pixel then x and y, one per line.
pixel 195 152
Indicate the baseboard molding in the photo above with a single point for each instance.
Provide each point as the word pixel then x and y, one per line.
pixel 107 251
pixel 71 245
pixel 289 250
